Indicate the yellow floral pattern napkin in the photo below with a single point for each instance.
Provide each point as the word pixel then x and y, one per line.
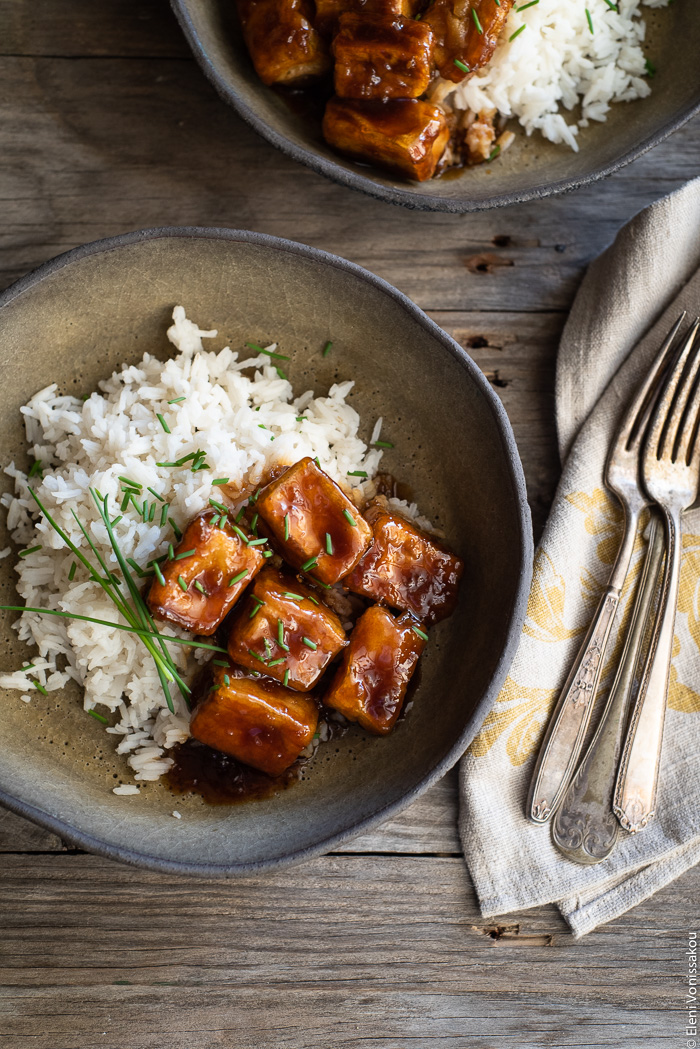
pixel 638 286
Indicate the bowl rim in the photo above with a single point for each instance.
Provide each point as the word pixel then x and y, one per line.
pixel 512 629
pixel 407 198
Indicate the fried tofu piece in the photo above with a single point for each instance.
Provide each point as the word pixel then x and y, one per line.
pixel 317 528
pixel 283 44
pixel 406 136
pixel 465 31
pixel 370 684
pixel 328 12
pixel 407 569
pixel 380 58
pixel 256 721
pixel 211 569
pixel 284 631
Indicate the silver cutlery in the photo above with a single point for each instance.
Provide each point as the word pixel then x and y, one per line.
pixel 566 731
pixel 671 471
pixel 585 828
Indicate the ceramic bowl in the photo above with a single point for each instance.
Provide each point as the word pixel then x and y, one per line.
pixel 531 168
pixel 77 318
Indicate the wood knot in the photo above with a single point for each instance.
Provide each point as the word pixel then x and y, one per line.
pixel 487 262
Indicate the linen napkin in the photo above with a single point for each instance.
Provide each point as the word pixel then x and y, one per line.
pixel 627 302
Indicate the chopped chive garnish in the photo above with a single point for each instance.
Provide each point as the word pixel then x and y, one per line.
pixel 158 497
pixel 293 597
pixel 98 717
pixel 158 560
pixel 477 23
pixel 125 502
pixel 589 20
pixel 349 518
pixel 268 647
pixel 164 514
pixel 268 553
pixel 254 524
pixel 176 400
pixel 255 495
pixel 611 5
pixel 237 578
pixel 213 521
pixel 314 599
pixel 311 563
pixel 227 679
pixel 159 575
pixel 497 3
pixel 280 636
pixel 316 460
pixel 650 68
pixel 220 480
pixel 326 586
pixel 171 552
pixel 268 353
pixel 224 519
pixel 327 349
pixel 383 444
pixel 152 511
pixel 240 533
pixel 280 373
pixel 286 526
pixel 256 656
pixel 329 543
pixel 130 483
pixel 516 33
pixel 71 574
pixel 524 7
pixel 186 553
pixel 40 688
pixel 31 550
pixel 36 468
pixel 300 418
pixel 494 152
pixel 239 516
pixel 199 587
pixel 276 662
pixel 137 568
pixel 256 542
pixel 461 65
pixel 421 633
pixel 116 520
pixel 145 510
pixel 29 666
pixel 220 662
pixel 285 679
pixel 357 473
pixel 262 426
pixel 309 643
pixel 219 506
pixel 183 584
pixel 257 608
pixel 162 422
pixel 176 530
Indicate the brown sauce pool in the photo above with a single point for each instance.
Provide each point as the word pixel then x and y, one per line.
pixel 220 779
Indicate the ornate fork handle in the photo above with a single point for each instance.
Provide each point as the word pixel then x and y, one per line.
pixel 635 790
pixel 562 746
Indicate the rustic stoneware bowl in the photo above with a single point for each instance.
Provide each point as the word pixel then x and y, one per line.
pixel 531 168
pixel 77 318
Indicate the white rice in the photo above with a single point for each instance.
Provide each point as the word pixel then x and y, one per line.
pixel 557 64
pixel 244 415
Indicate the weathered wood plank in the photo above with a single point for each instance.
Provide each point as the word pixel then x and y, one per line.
pixel 172 153
pixel 85 28
pixel 346 951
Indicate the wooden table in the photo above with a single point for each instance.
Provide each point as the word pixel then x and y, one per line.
pixel 107 125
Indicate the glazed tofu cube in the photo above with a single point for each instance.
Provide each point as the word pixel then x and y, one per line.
pixel 406 136
pixel 407 569
pixel 380 58
pixel 328 12
pixel 466 32
pixel 371 682
pixel 284 631
pixel 283 45
pixel 318 529
pixel 211 569
pixel 257 721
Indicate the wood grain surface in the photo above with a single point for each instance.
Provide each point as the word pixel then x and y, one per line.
pixel 107 125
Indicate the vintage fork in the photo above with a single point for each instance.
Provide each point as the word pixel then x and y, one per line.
pixel 565 734
pixel 671 470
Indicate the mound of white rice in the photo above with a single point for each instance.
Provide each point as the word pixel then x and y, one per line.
pixel 245 416
pixel 556 62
